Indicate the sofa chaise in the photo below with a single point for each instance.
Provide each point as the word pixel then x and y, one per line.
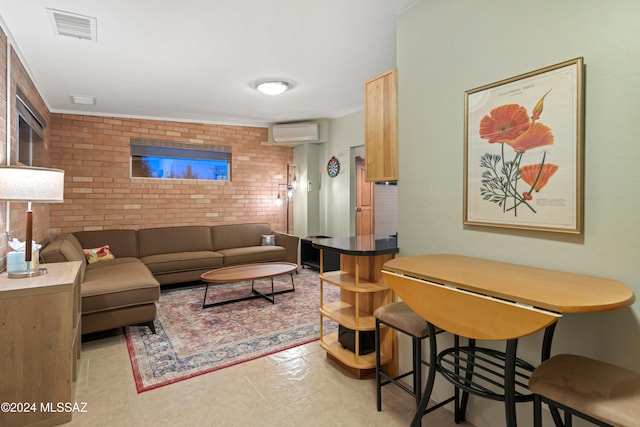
pixel 122 288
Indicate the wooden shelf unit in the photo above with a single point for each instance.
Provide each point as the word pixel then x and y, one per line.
pixel 359 365
pixel 362 291
pixel 40 336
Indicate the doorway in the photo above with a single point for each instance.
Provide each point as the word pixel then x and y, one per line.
pixel 375 204
pixel 365 223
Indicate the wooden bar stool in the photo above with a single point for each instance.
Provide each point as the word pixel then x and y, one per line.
pixel 603 394
pixel 400 317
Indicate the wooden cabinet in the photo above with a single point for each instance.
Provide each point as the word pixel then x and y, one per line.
pixel 362 290
pixel 40 338
pixel 381 127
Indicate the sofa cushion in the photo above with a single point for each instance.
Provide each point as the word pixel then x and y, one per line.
pixel 109 319
pixel 64 247
pixel 238 235
pixel 169 240
pixel 182 261
pixel 122 282
pixel 252 254
pixel 122 243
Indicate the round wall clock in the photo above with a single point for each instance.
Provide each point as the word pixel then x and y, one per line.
pixel 333 167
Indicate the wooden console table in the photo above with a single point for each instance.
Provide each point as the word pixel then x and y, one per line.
pixel 490 300
pixel 40 339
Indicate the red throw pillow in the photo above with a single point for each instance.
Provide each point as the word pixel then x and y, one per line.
pixel 102 253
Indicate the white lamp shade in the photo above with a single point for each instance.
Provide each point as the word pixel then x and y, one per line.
pixel 31 184
pixel 273 87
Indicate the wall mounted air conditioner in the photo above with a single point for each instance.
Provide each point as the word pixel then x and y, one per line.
pixel 291 133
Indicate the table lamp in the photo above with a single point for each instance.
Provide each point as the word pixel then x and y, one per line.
pixel 30 184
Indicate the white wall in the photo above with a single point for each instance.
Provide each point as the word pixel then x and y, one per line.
pixel 337 195
pixel 448 46
pixel 306 199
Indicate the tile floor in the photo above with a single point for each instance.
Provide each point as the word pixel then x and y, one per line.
pixel 296 387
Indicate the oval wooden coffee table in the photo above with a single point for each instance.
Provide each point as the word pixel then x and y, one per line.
pixel 246 272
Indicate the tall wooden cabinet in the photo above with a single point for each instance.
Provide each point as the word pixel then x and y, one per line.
pixel 40 338
pixel 381 127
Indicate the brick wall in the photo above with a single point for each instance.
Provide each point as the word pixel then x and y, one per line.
pixel 3 144
pixel 16 216
pixel 3 99
pixel 100 194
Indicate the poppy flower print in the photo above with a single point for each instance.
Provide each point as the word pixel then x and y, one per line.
pixel 507 180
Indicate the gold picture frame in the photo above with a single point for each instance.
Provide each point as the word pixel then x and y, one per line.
pixel 523 155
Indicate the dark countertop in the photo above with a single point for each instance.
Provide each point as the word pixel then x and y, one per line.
pixel 359 245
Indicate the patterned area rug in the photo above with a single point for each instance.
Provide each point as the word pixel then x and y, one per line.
pixel 192 341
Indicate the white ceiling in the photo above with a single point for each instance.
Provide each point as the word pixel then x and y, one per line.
pixel 195 60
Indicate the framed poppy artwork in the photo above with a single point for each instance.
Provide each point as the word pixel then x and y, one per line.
pixel 523 151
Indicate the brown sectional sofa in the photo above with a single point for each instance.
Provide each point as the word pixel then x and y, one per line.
pixel 123 291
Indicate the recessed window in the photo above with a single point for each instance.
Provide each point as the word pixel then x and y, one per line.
pixel 30 130
pixel 174 160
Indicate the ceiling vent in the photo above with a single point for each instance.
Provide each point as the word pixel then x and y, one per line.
pixel 83 99
pixel 73 25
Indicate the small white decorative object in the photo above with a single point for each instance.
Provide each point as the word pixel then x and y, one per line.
pixel 19 245
pixel 268 240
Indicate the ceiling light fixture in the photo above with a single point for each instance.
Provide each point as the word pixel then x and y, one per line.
pixel 273 87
